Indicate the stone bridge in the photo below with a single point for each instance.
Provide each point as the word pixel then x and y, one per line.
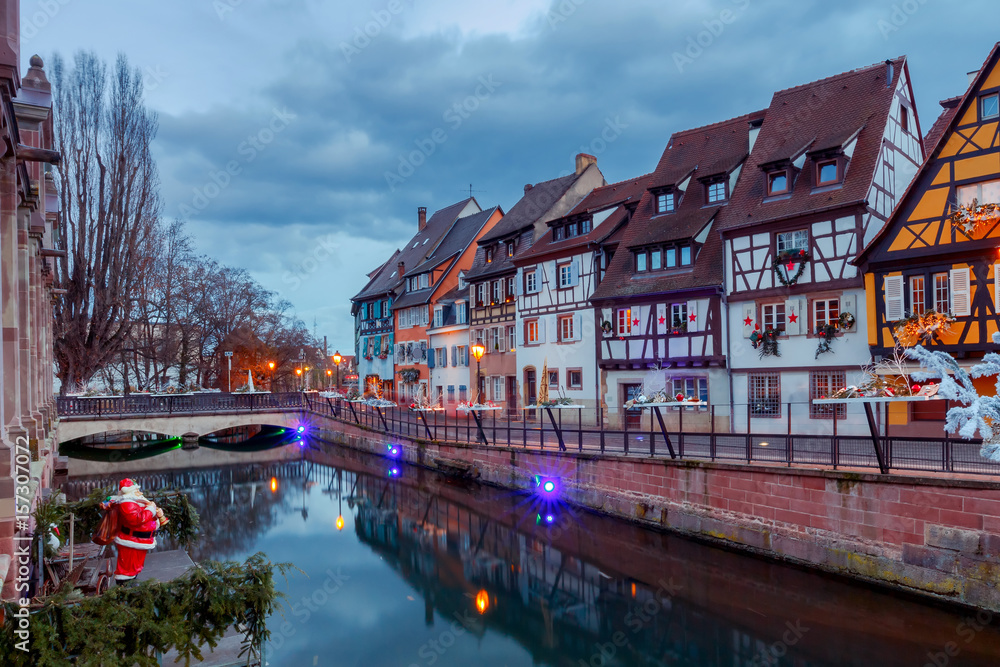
pixel 176 415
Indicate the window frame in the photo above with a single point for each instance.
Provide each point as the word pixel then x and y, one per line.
pixel 625 330
pixel 641 261
pixel 562 324
pixel 678 312
pixel 531 281
pixel 510 289
pixel 820 183
pixel 778 237
pixel 489 254
pixel 914 310
pixel 510 248
pixel 700 386
pixel 553 374
pixel 711 186
pixel 496 292
pixel 665 202
pixel 531 326
pixel 784 316
pixel 511 338
pixel 982 105
pixel 936 277
pixel 826 313
pixel 569 378
pixel 774 173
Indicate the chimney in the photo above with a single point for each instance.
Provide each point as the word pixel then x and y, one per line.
pixel 888 73
pixel 400 269
pixel 527 187
pixel 972 76
pixel 583 161
pixel 421 218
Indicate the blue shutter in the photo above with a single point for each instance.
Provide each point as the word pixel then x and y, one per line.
pixel 454 355
pixel 430 360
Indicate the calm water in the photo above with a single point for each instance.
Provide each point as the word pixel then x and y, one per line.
pixel 428 571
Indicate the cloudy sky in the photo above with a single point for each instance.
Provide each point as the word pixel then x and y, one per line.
pixel 298 137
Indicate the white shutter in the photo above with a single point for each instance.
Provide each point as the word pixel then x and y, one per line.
pixel 541 329
pixel 695 324
pixel 661 318
pixel 961 301
pixel 577 327
pixel 893 288
pixel 996 287
pixel 748 319
pixel 520 334
pixel 794 307
pixel 574 272
pixel 501 340
pixel 850 305
pixel 553 326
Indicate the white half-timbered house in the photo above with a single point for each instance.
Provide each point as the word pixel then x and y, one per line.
pixel 827 165
pixel 555 280
pixel 659 307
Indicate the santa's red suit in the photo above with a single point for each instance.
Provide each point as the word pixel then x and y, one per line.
pixel 137 524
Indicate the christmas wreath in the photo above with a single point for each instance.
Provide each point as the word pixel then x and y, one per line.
pixel 786 260
pixel 607 328
pixel 409 375
pixel 847 321
pixel 766 341
pixel 918 329
pixel 975 217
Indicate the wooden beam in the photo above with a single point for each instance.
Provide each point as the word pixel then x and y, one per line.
pixel 31 154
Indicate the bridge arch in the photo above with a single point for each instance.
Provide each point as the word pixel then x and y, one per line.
pixel 175 425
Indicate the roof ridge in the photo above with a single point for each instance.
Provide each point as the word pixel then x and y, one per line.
pixel 834 77
pixel 622 182
pixel 702 128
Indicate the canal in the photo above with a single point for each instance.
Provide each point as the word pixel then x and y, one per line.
pixel 405 567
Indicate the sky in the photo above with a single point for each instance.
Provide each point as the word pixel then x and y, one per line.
pixel 298 137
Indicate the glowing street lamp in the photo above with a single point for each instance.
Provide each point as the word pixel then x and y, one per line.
pixel 478 350
pixel 336 361
pixel 482 601
pixel 270 367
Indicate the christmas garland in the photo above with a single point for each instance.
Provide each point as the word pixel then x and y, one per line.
pixel 131 625
pixel 766 341
pixel 919 329
pixel 975 217
pixel 785 260
pixel 827 332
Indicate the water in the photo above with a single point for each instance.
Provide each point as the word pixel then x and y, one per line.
pixel 429 571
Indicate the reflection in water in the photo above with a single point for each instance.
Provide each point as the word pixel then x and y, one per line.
pixel 579 590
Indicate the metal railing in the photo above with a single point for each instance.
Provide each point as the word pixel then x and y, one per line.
pixel 701 434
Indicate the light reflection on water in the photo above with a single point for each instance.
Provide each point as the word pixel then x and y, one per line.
pixel 427 571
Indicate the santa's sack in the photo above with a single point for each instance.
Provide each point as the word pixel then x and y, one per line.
pixel 108 528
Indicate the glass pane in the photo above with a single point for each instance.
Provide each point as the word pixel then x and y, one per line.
pixel 777 183
pixel 685 255
pixel 828 172
pixel 656 260
pixel 991 107
pixel 640 261
pixel 671 257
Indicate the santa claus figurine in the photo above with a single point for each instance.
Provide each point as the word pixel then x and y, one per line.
pixel 138 519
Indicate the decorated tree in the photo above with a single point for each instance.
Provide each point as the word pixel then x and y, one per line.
pixel 974 414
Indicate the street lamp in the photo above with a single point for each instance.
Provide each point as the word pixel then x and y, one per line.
pixel 478 350
pixel 229 358
pixel 298 371
pixel 270 366
pixel 336 360
pixel 328 374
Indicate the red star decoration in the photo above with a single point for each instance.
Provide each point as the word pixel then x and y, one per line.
pixel 662 319
pixel 793 318
pixel 692 317
pixel 635 322
pixel 748 321
pixel 790 266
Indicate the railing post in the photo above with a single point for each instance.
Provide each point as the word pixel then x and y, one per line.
pixel 711 435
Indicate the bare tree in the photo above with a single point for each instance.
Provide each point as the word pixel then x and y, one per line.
pixel 109 208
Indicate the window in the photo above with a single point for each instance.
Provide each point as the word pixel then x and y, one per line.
pixel 640 261
pixel 941 296
pixel 481 294
pixel 671 257
pixel 656 259
pixel 566 328
pixel 826 172
pixel 987 192
pixel 530 282
pixel 461 313
pixel 989 106
pixel 624 321
pixel 565 275
pixel 511 338
pixel 489 254
pixel 425 280
pixel 497 292
pixel 463 356
pixel 442 357
pixel 679 316
pixel 438 316
pixel 696 387
pixel 531 332
pixel 553 378
pixel 685 255
pixel 717 191
pixel 494 340
pixel 904 118
pixel 574 378
pixel 479 335
pixel 792 241
pixel 585 226
pixel 498 384
pixel 765 395
pixel 510 248
pixel 665 202
pixel 826 312
pixel 557 234
pixel 509 296
pixel 777 182
pixel 918 298
pixel 773 316
pixel 822 384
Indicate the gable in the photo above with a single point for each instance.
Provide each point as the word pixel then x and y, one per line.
pixel 965 165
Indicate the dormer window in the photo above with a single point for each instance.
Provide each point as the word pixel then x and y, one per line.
pixel 489 254
pixel 557 233
pixel 510 248
pixel 665 257
pixel 778 182
pixel 827 172
pixel 665 202
pixel 717 192
pixel 989 106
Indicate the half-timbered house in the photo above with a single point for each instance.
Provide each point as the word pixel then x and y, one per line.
pixel 659 307
pixel 492 279
pixel 556 279
pixel 449 354
pixel 938 254
pixel 828 163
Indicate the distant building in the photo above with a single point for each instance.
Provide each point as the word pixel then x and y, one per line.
pixel 449 341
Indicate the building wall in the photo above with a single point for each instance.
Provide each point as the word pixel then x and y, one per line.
pixel 452 374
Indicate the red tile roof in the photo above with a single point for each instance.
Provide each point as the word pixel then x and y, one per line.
pixel 809 118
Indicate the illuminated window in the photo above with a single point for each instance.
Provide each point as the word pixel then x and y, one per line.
pixel 942 300
pixel 918 296
pixel 986 192
pixel 624 321
pixel 566 328
pixel 531 332
pixel 826 311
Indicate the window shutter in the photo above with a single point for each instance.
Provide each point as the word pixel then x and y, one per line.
pixel 431 359
pixel 520 334
pixel 695 324
pixel 850 305
pixel 996 287
pixel 454 355
pixel 749 318
pixel 661 313
pixel 893 286
pixel 577 326
pixel 961 302
pixel 501 340
pixel 541 329
pixel 794 307
pixel 574 272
